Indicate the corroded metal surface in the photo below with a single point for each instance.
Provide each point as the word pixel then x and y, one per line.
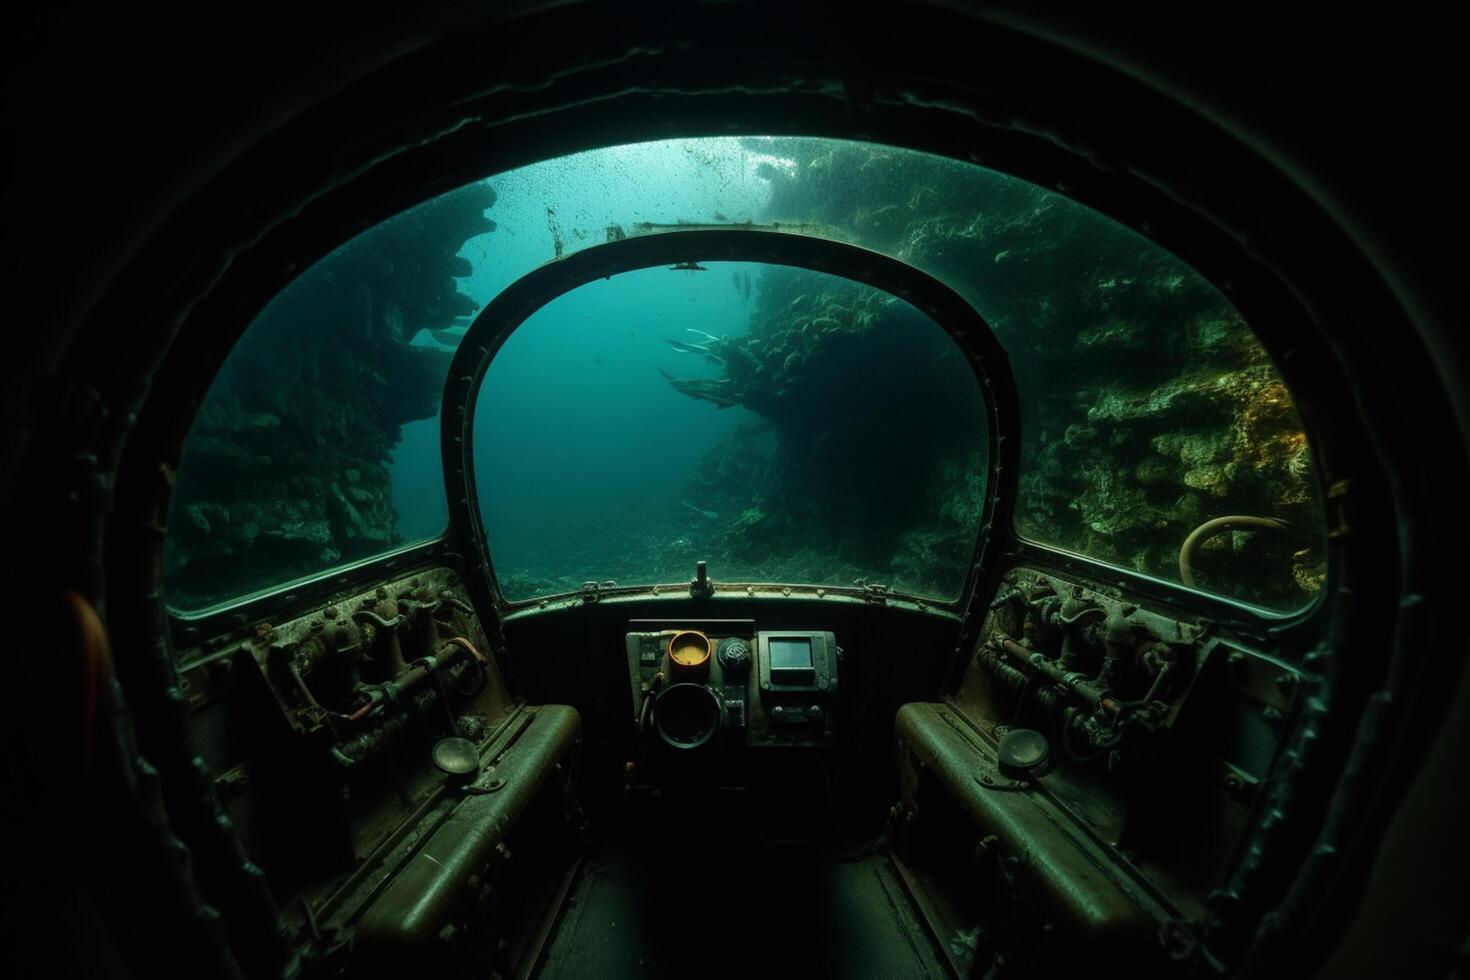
pixel 325 728
pixel 1149 715
pixel 439 885
pixel 1067 882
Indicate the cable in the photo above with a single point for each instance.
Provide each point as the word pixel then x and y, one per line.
pixel 468 647
pixel 369 614
pixel 1077 616
pixel 1189 550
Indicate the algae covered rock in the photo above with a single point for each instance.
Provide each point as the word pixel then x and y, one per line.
pixel 284 472
pixel 1148 407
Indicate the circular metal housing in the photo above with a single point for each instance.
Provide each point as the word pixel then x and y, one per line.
pixel 689 652
pixel 686 716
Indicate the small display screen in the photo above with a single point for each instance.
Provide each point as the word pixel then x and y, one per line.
pixel 791 653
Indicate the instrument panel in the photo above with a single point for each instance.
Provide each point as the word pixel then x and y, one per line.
pixel 725 683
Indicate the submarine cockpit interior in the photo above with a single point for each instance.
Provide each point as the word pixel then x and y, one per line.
pixel 672 516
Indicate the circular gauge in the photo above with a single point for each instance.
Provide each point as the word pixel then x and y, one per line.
pixel 686 716
pixel 689 653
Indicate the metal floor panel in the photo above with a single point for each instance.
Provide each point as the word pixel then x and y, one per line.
pixel 784 913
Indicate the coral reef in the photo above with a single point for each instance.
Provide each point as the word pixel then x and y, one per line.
pixel 1148 406
pixel 284 472
pixel 871 409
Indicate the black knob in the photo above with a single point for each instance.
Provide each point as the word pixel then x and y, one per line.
pixel 457 758
pixel 1022 752
pixel 734 654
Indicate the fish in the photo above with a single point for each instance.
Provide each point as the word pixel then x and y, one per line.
pixel 711 338
pixel 682 267
pixel 684 348
pixel 711 515
pixel 449 338
pixel 735 280
pixel 746 277
pixel 711 390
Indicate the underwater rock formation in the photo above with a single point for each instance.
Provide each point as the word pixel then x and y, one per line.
pixel 1148 407
pixel 285 469
pixel 843 479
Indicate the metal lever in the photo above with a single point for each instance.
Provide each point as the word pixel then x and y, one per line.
pixel 700 587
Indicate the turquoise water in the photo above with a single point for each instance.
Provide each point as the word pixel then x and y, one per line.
pixel 643 423
pixel 580 442
pixel 562 206
pixel 590 465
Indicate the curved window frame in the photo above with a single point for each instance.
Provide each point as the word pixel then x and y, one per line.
pixel 513 306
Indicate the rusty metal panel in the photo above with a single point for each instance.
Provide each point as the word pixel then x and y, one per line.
pixel 443 878
pixel 1068 881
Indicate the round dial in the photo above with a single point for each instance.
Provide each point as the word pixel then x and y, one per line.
pixel 688 650
pixel 734 654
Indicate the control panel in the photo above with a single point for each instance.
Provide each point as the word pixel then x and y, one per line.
pixel 725 683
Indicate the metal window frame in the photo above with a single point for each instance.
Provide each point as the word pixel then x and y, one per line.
pixel 514 305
